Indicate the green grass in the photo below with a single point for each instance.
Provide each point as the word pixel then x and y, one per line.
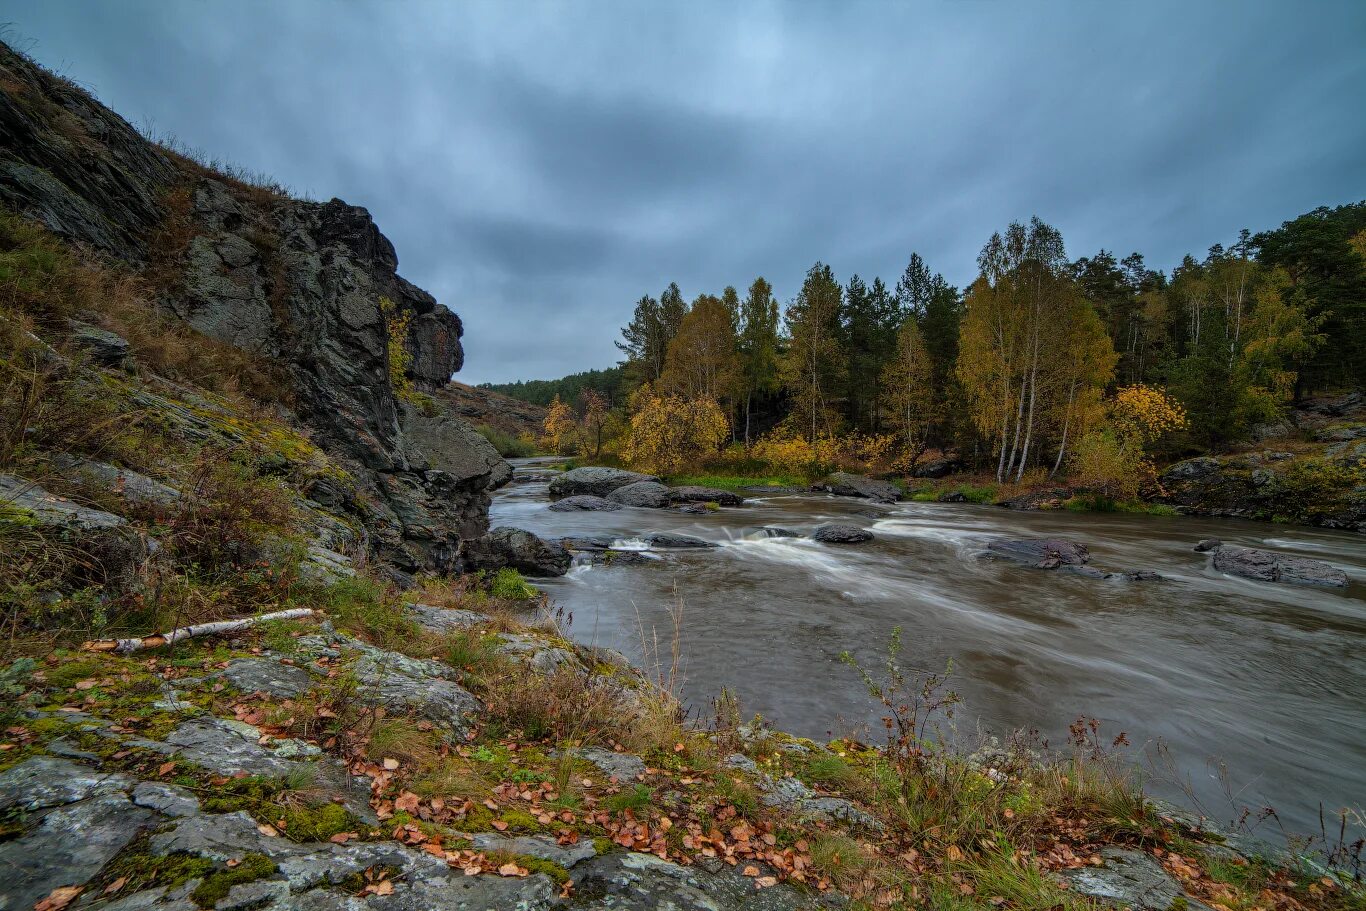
pixel 508 446
pixel 1095 503
pixel 509 584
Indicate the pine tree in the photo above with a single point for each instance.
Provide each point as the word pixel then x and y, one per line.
pixel 644 341
pixel 758 346
pixel 909 396
pixel 813 366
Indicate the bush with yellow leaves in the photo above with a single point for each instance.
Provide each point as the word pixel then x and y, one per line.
pixel 669 433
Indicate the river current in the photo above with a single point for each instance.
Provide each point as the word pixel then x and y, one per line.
pixel 1233 693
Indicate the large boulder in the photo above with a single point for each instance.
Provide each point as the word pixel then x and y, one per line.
pixel 1040 553
pixel 693 494
pixel 841 534
pixel 645 494
pixel 1266 566
pixel 935 468
pixel 1053 498
pixel 1190 469
pixel 521 550
pixel 844 484
pixel 663 540
pixel 594 480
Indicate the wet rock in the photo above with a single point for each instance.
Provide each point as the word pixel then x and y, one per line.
pixel 521 550
pixel 1207 544
pixel 694 494
pixel 774 531
pixel 443 619
pixel 69 845
pixel 669 541
pixel 596 481
pixel 266 675
pixel 584 503
pixel 643 494
pixel 1138 575
pixel 693 509
pixel 47 781
pixel 624 766
pixel 620 558
pixel 1090 572
pixel 588 542
pixel 1041 553
pixel 844 484
pixel 1130 879
pixel 841 534
pixel 953 496
pixel 1266 566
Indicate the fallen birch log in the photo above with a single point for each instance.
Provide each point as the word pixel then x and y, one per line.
pixel 125 646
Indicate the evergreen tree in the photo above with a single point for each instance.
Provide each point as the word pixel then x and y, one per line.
pixel 813 366
pixel 645 341
pixel 758 347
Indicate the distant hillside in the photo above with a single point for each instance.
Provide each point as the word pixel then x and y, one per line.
pixel 484 407
pixel 610 383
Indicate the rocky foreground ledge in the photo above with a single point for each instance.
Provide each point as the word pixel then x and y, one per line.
pixel 299 766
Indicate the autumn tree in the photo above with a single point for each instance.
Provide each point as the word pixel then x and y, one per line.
pixel 702 361
pixel 594 420
pixel 559 426
pixel 813 367
pixel 1026 339
pixel 669 433
pixel 907 391
pixel 937 308
pixel 645 339
pixel 758 338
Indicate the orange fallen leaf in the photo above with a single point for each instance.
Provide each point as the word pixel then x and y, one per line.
pixel 116 885
pixel 59 898
pixel 165 767
pixel 268 831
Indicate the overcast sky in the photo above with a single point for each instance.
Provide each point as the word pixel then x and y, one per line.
pixel 541 166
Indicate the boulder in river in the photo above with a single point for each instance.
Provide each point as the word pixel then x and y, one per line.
pixel 1266 566
pixel 693 494
pixel 1040 553
pixel 671 541
pixel 1208 544
pixel 584 503
pixel 841 534
pixel 1052 498
pixel 521 550
pixel 645 494
pixel 844 484
pixel 594 480
pixel 773 531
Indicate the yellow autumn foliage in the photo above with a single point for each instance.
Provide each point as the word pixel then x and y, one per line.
pixel 1140 414
pixel 669 433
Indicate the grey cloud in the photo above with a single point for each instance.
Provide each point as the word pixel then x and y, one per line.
pixel 539 166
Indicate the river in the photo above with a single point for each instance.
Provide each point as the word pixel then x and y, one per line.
pixel 1233 693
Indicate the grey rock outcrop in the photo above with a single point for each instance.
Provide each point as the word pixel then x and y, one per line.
pixel 1266 566
pixel 298 283
pixel 594 481
pixel 519 549
pixel 643 494
pixel 1129 878
pixel 106 348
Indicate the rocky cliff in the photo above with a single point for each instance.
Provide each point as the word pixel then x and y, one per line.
pixel 309 287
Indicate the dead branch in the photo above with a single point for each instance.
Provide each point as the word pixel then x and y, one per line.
pixel 125 646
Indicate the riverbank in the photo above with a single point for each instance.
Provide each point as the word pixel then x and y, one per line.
pixel 449 749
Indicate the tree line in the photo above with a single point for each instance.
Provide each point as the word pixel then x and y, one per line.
pixel 1024 365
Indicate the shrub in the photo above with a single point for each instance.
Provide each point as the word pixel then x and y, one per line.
pixel 508 446
pixel 508 584
pixel 1103 465
pixel 669 433
pixel 230 515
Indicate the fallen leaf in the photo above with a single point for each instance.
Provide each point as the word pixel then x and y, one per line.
pixel 165 767
pixel 511 869
pixel 116 885
pixel 268 831
pixel 391 764
pixel 59 898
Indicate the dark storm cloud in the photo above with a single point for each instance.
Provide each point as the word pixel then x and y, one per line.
pixel 540 166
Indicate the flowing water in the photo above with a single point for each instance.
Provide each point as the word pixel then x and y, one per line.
pixel 1223 685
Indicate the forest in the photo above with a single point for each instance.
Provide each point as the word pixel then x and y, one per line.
pixel 1044 365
